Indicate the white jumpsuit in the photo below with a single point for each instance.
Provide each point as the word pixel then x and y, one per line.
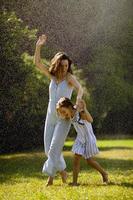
pixel 56 129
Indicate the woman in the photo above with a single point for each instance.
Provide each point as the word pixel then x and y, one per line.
pixel 56 130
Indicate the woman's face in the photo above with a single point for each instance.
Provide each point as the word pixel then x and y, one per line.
pixel 64 113
pixel 65 65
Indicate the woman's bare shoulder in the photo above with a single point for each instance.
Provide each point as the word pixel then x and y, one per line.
pixel 69 77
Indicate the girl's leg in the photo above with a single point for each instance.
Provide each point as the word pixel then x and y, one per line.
pixel 76 168
pixel 98 167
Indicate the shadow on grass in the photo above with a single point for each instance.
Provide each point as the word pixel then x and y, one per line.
pixel 21 166
pixel 125 184
pixel 68 148
pixel 30 166
pixel 117 165
pixel 107 185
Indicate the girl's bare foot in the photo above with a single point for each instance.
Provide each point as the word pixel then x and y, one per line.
pixel 105 178
pixel 50 181
pixel 64 176
pixel 74 184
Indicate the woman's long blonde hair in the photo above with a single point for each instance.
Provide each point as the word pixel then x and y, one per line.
pixel 55 68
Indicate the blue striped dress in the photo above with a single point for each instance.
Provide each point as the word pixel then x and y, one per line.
pixel 85 143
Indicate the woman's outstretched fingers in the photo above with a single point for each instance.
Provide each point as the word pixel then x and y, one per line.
pixel 41 40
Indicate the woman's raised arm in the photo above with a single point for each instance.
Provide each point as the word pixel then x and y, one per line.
pixel 37 58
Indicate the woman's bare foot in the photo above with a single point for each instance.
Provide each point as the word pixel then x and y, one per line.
pixel 105 178
pixel 64 176
pixel 50 181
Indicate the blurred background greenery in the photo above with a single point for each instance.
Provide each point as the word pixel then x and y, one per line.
pixel 98 37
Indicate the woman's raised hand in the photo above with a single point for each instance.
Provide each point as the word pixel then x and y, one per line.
pixel 41 40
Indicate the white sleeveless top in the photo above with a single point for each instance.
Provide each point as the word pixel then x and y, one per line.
pixel 83 128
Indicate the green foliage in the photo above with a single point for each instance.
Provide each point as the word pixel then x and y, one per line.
pixel 23 89
pixel 111 93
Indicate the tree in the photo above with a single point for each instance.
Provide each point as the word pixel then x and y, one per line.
pixel 22 89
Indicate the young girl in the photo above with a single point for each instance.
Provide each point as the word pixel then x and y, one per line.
pixel 85 143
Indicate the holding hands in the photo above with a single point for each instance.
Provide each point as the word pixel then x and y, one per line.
pixel 80 105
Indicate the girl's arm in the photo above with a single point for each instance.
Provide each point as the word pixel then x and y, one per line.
pixel 37 58
pixel 85 115
pixel 73 82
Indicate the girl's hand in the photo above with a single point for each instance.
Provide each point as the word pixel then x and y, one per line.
pixel 41 40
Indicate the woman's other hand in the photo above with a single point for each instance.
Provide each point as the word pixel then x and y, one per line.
pixel 80 105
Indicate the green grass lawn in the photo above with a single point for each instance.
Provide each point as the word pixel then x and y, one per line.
pixel 21 177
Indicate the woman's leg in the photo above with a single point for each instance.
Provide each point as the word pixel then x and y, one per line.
pixel 55 134
pixel 98 167
pixel 48 134
pixel 50 181
pixel 76 168
pixel 60 133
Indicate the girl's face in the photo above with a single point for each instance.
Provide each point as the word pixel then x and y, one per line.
pixel 65 113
